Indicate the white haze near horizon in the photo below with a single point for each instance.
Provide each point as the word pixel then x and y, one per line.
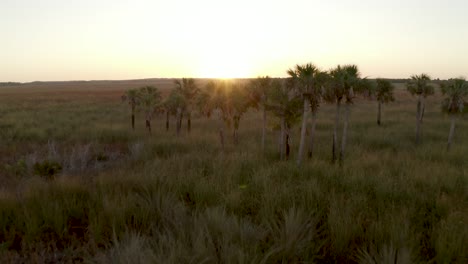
pixel 50 40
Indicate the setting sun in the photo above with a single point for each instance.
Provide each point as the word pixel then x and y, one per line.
pixel 222 64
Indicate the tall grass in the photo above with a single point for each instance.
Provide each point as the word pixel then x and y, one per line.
pixel 126 197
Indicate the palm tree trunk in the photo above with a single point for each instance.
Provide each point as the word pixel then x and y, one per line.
pixel 418 119
pixel 303 130
pixel 189 122
pixel 312 134
pixel 181 119
pixel 236 130
pixel 178 121
pixel 288 148
pixel 423 110
pixel 236 136
pixel 221 135
pixel 264 129
pixel 335 132
pixel 283 138
pixel 167 120
pixel 345 132
pixel 133 117
pixel 148 125
pixel 379 113
pixel 452 131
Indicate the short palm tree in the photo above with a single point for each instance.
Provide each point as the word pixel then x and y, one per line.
pixel 188 89
pixel 306 78
pixel 384 94
pixel 150 99
pixel 456 92
pixel 131 96
pixel 419 85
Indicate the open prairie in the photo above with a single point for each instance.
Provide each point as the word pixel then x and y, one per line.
pixel 77 184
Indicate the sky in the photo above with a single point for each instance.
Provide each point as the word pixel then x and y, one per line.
pixel 51 40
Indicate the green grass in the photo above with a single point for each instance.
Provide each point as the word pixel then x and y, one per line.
pixel 130 197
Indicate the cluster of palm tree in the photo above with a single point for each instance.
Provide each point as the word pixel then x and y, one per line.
pixel 455 92
pixel 148 98
pixel 290 99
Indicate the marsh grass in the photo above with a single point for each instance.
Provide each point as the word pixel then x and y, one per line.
pixel 126 197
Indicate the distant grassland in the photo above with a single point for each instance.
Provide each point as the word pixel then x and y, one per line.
pixel 127 197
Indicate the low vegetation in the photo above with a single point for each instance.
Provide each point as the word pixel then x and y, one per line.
pixel 78 184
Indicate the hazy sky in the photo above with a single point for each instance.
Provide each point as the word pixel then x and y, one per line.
pixel 113 39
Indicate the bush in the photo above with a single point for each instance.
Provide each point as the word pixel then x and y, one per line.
pixel 47 169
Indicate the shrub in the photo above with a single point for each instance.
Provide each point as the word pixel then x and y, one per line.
pixel 47 169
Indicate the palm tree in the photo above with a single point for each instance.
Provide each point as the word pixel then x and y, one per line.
pixel 240 103
pixel 150 99
pixel 306 76
pixel 285 104
pixel 352 82
pixel 316 97
pixel 384 94
pixel 204 98
pixel 259 91
pixel 188 89
pixel 344 80
pixel 214 99
pixel 456 91
pixel 131 96
pixel 420 85
pixel 172 103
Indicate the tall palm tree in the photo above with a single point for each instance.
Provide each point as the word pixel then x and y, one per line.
pixel 131 96
pixel 344 81
pixel 306 76
pixel 352 82
pixel 321 79
pixel 150 98
pixel 259 91
pixel 188 89
pixel 384 94
pixel 456 92
pixel 419 85
pixel 285 104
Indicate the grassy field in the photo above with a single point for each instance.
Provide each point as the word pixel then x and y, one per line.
pixel 129 197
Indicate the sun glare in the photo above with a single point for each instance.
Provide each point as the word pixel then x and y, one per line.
pixel 224 65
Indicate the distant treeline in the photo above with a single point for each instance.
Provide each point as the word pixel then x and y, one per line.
pixel 9 83
pixel 148 79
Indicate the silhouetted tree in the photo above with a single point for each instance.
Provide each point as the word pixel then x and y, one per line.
pixel 306 79
pixel 131 96
pixel 456 92
pixel 172 103
pixel 345 79
pixel 259 92
pixel 383 92
pixel 419 85
pixel 188 89
pixel 285 104
pixel 150 99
